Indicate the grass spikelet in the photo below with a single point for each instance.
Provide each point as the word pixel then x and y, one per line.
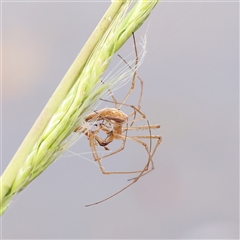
pixel 53 133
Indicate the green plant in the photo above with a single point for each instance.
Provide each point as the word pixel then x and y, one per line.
pixel 79 90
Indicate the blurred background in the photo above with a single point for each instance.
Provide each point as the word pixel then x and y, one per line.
pixel 191 88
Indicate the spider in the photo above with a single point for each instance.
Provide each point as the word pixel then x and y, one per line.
pixel 115 124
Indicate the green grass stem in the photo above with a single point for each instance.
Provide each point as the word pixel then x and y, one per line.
pixel 79 90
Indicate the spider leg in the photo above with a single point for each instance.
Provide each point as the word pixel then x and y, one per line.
pixel 134 179
pixel 134 75
pixel 152 154
pixel 133 69
pixel 111 136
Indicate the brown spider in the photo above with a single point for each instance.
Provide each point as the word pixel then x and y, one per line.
pixel 115 124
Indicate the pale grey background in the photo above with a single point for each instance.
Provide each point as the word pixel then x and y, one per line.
pixel 191 89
